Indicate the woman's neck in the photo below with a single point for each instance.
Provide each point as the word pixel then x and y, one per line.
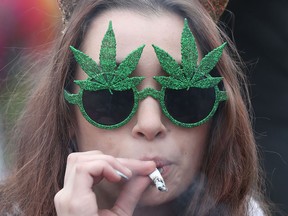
pixel 106 201
pixel 159 210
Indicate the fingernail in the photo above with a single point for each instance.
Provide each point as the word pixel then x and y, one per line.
pixel 121 174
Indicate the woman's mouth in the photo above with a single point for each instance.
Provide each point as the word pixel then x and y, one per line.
pixel 162 165
pixel 161 169
pixel 161 172
pixel 164 169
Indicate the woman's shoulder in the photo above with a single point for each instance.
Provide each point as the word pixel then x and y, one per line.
pixel 254 208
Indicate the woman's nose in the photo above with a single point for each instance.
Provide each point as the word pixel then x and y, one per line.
pixel 149 120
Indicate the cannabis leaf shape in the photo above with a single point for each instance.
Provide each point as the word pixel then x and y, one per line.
pixel 188 74
pixel 107 75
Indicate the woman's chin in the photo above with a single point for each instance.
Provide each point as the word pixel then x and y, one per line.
pixel 153 197
pixel 150 197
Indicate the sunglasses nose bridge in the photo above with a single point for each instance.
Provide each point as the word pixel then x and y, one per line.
pixel 149 92
pixel 149 124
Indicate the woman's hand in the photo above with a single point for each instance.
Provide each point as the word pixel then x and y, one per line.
pixel 85 169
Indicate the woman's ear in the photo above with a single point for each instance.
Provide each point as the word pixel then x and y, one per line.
pixel 215 7
pixel 67 7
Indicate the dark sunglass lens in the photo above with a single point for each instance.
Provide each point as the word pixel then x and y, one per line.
pixel 189 106
pixel 108 108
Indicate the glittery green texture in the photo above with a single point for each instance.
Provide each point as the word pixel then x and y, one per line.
pixel 107 75
pixel 186 75
pixel 189 74
pixel 149 92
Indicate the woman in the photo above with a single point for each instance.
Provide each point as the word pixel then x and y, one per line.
pixel 111 97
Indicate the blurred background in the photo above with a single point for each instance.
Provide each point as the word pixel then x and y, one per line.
pixel 259 28
pixel 27 28
pixel 261 35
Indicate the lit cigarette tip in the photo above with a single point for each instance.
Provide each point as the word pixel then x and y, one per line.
pixel 158 180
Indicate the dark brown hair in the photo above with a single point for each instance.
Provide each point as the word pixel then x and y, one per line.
pixel 229 176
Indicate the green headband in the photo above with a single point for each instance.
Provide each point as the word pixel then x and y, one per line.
pixel 108 76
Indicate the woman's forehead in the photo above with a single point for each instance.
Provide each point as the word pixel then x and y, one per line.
pixel 132 30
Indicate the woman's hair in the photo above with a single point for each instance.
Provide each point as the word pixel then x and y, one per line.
pixel 229 176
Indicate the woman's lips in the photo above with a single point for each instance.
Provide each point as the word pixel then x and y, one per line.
pixel 164 170
pixel 162 164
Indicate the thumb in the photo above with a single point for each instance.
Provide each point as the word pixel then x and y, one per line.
pixel 130 195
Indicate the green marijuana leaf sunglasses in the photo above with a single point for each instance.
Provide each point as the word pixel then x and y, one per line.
pixel 109 98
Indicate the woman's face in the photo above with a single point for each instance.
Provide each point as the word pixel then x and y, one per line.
pixel 149 135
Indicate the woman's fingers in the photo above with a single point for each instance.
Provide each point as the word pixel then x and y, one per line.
pixel 77 162
pixel 86 169
pixel 85 174
pixel 68 204
pixel 130 196
pixel 77 196
pixel 82 171
pixel 138 167
pixel 133 189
